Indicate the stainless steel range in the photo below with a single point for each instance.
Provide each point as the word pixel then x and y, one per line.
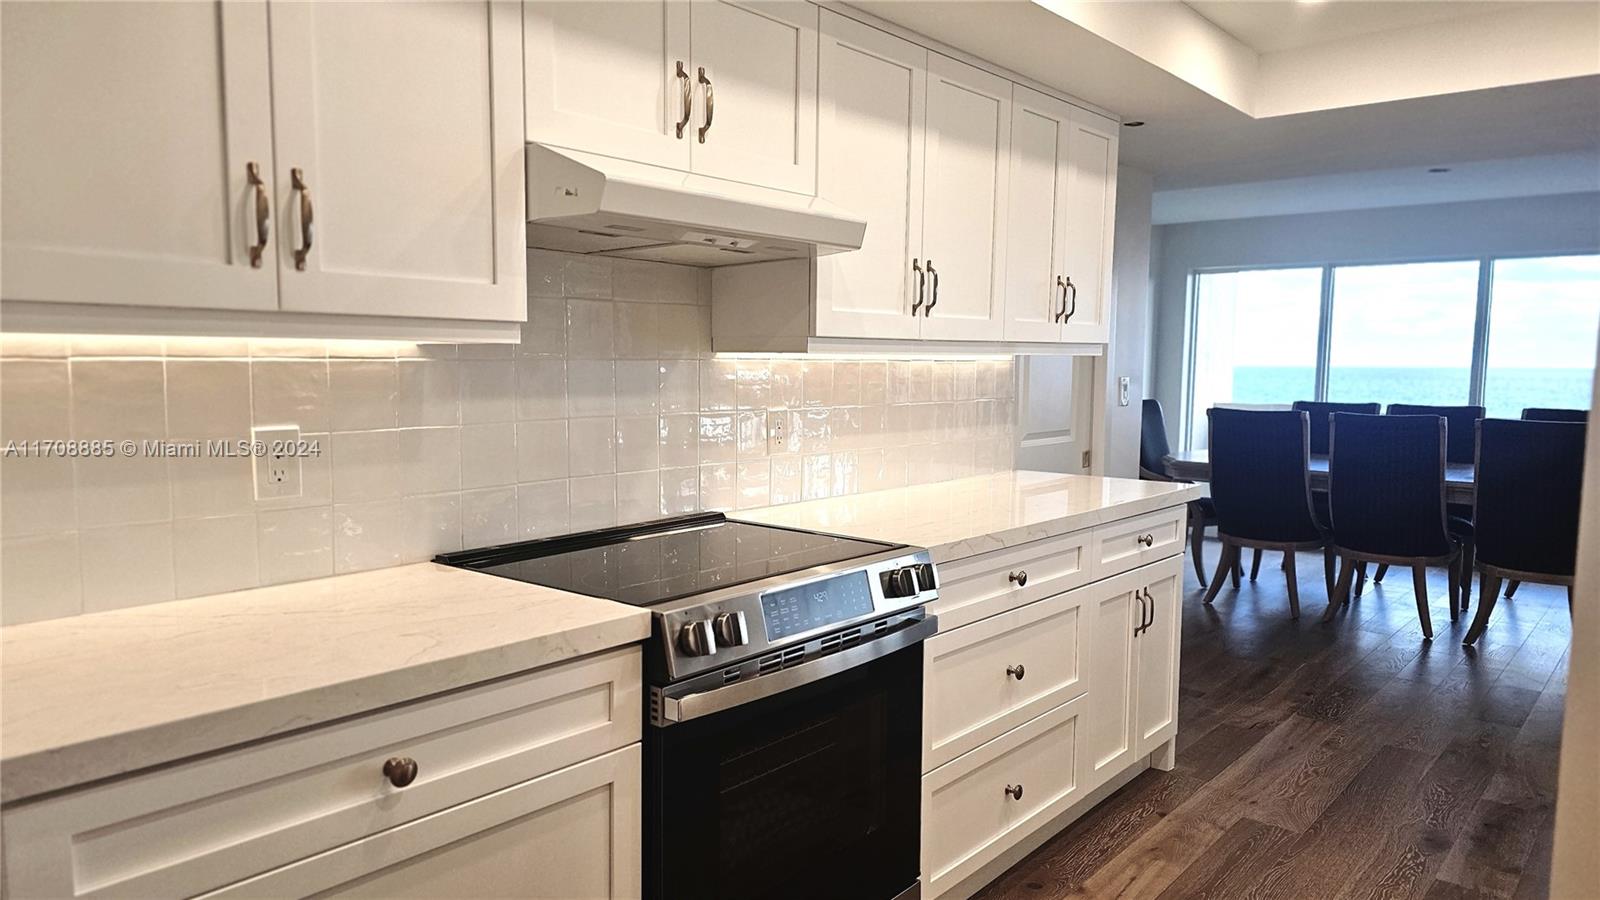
pixel 784 725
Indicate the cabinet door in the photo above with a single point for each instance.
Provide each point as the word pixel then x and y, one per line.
pixel 1112 657
pixel 871 97
pixel 1091 209
pixel 130 132
pixel 1157 645
pixel 605 77
pixel 755 72
pixel 405 122
pixel 571 835
pixel 963 208
pixel 1036 216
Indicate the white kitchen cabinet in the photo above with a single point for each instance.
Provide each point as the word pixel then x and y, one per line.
pixel 1090 213
pixel 964 196
pixel 403 122
pixel 1036 227
pixel 1133 629
pixel 134 134
pixel 715 87
pixel 872 91
pixel 611 78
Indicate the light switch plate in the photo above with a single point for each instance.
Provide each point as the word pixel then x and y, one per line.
pixel 1124 384
pixel 277 461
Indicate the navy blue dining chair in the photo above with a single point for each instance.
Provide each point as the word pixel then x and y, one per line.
pixel 1321 413
pixel 1386 502
pixel 1153 451
pixel 1546 414
pixel 1261 485
pixel 1529 476
pixel 1461 429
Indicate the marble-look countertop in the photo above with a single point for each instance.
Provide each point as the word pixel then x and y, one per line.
pixel 962 518
pixel 104 694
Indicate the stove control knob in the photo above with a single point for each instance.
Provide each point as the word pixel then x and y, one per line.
pixel 900 583
pixel 925 578
pixel 697 639
pixel 732 629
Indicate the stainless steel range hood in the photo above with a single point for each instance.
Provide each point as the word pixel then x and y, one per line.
pixel 583 203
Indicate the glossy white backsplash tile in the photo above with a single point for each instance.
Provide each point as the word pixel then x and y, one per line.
pixel 610 410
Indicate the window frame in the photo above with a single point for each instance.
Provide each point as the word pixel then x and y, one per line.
pixel 1477 380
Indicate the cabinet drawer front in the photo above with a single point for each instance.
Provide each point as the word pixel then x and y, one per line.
pixel 982 586
pixel 969 818
pixel 971 690
pixel 192 827
pixel 1120 546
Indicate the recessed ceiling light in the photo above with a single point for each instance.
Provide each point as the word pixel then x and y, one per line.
pixel 1438 170
pixel 1136 123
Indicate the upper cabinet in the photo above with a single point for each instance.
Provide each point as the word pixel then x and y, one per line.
pixel 154 158
pixel 717 88
pixel 1090 215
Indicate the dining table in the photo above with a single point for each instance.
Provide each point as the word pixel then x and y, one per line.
pixel 1195 465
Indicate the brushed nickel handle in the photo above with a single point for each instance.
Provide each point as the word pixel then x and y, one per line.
pixel 1069 286
pixel 1016 671
pixel 298 180
pixel 711 104
pixel 916 266
pixel 252 171
pixel 1019 577
pixel 1015 791
pixel 928 310
pixel 1148 540
pixel 400 770
pixel 688 99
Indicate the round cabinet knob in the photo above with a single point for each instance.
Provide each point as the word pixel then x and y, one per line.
pixel 1016 671
pixel 400 770
pixel 732 629
pixel 697 639
pixel 1147 539
pixel 1019 578
pixel 1015 791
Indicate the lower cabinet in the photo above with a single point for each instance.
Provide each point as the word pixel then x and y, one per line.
pixel 1133 669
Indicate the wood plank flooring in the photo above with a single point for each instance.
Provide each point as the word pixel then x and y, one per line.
pixel 1347 760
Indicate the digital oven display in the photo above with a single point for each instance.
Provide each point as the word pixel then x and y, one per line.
pixel 814 605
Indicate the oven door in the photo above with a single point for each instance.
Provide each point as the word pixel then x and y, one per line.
pixel 807 788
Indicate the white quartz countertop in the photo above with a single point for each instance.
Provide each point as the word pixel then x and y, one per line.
pixel 98 695
pixel 962 518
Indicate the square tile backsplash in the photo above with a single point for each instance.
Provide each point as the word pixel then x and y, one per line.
pixel 611 410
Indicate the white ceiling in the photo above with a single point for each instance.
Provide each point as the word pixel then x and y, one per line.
pixel 1271 26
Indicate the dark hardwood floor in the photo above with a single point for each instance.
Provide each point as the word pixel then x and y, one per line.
pixel 1341 760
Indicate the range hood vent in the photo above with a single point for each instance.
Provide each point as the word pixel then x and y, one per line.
pixel 583 203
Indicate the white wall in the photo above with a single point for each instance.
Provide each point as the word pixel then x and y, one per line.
pixel 1126 357
pixel 1525 226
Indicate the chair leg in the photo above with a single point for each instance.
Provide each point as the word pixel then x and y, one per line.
pixel 1419 584
pixel 1488 593
pixel 1230 555
pixel 1255 565
pixel 1197 545
pixel 1511 589
pixel 1341 590
pixel 1236 571
pixel 1569 601
pixel 1468 552
pixel 1328 568
pixel 1361 578
pixel 1293 581
pixel 1383 569
pixel 1453 592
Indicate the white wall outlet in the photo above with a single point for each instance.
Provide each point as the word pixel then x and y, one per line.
pixel 777 432
pixel 275 450
pixel 1124 383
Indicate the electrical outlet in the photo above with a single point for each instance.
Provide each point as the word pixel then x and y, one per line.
pixel 277 461
pixel 1124 383
pixel 777 432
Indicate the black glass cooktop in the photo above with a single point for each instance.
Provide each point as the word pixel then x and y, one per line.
pixel 652 563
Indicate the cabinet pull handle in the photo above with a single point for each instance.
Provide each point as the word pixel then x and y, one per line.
pixel 1062 311
pixel 1016 671
pixel 1139 627
pixel 400 770
pixel 1148 540
pixel 1019 577
pixel 1015 791
pixel 1151 620
pixel 263 213
pixel 1069 286
pixel 688 99
pixel 711 104
pixel 928 310
pixel 298 180
pixel 916 266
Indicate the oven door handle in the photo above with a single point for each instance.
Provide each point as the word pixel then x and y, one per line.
pixel 705 703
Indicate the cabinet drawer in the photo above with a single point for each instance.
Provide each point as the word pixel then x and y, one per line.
pixel 969 818
pixel 1129 544
pixel 192 827
pixel 985 585
pixel 985 679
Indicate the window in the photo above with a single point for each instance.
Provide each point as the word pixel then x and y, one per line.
pixel 1543 322
pixel 1505 333
pixel 1403 333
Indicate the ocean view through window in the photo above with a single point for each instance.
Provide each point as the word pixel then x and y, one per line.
pixel 1543 324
